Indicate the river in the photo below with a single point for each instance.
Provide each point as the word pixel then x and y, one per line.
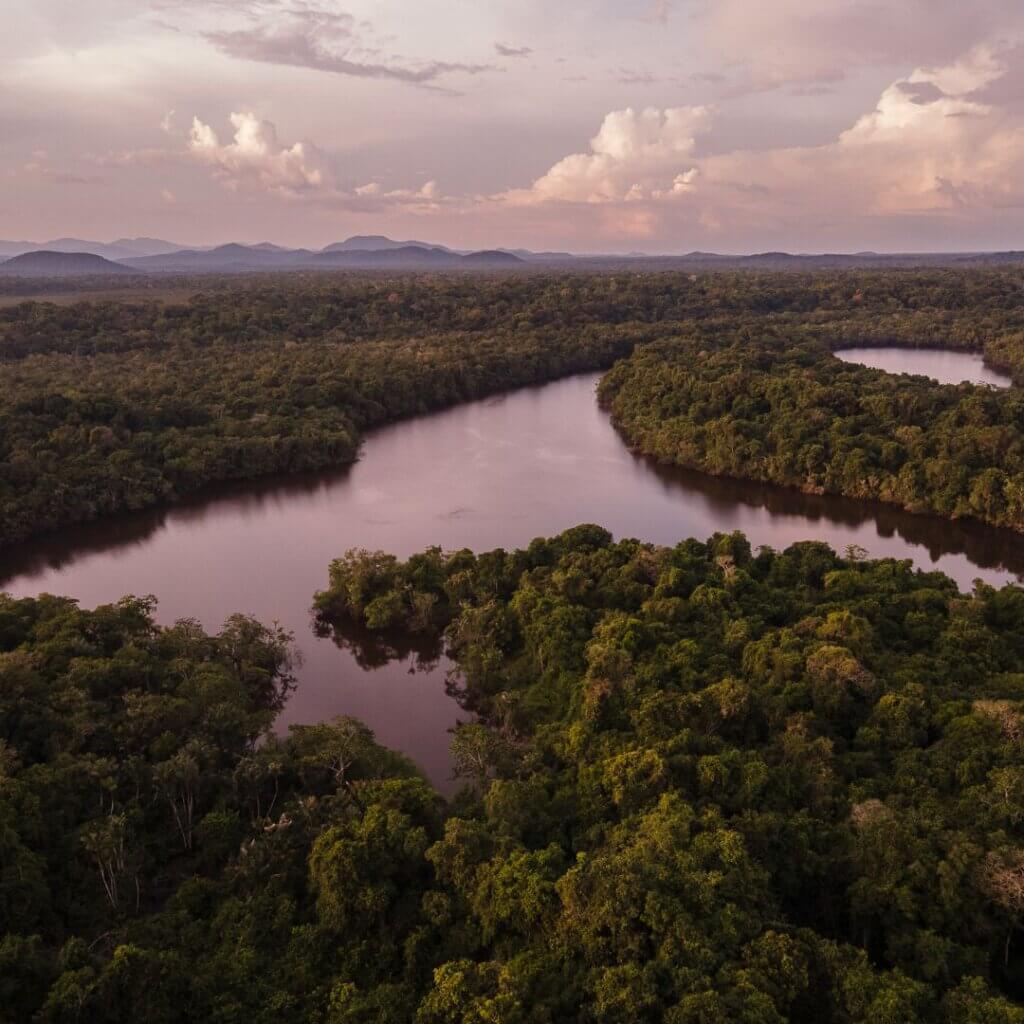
pixel 492 473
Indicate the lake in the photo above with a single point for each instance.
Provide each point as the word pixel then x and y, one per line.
pixel 942 365
pixel 492 473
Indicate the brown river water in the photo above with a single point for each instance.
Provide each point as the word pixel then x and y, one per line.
pixel 492 473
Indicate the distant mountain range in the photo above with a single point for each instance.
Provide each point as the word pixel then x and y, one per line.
pixel 377 243
pixel 60 264
pixel 121 249
pixel 154 255
pixel 151 255
pixel 404 255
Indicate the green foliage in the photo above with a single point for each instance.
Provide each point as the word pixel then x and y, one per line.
pixel 154 836
pixel 781 787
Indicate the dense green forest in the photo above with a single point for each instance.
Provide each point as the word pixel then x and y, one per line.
pixel 112 405
pixel 700 785
pixel 703 786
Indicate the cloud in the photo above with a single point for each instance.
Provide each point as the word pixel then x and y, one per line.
pixel 512 51
pixel 376 191
pixel 792 41
pixel 659 11
pixel 373 197
pixel 637 154
pixel 297 49
pixel 928 149
pixel 39 167
pixel 255 157
pixel 256 160
pixel 323 40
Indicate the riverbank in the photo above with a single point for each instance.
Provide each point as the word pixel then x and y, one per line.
pixel 779 408
pixel 110 406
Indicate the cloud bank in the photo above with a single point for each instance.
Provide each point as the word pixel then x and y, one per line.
pixel 719 123
pixel 788 42
pixel 936 148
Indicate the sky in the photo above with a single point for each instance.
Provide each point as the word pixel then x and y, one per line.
pixel 659 126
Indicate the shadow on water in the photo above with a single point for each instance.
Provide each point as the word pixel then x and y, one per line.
pixel 422 653
pixel 117 535
pixel 373 649
pixel 984 546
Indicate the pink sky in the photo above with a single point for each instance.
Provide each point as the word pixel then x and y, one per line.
pixel 729 125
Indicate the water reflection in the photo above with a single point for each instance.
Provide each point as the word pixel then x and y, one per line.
pixel 51 555
pixel 940 364
pixel 373 649
pixel 982 547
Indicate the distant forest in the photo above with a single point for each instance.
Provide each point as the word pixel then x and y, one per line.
pixel 114 405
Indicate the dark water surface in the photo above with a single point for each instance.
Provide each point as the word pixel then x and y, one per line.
pixel 940 364
pixel 494 473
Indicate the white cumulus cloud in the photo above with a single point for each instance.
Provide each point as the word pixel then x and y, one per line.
pixel 256 160
pixel 635 155
pixel 929 147
pixel 936 154
pixel 255 157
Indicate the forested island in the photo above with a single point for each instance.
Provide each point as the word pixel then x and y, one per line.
pixel 769 402
pixel 112 405
pixel 702 785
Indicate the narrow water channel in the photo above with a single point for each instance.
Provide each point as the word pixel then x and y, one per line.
pixel 942 365
pixel 493 473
